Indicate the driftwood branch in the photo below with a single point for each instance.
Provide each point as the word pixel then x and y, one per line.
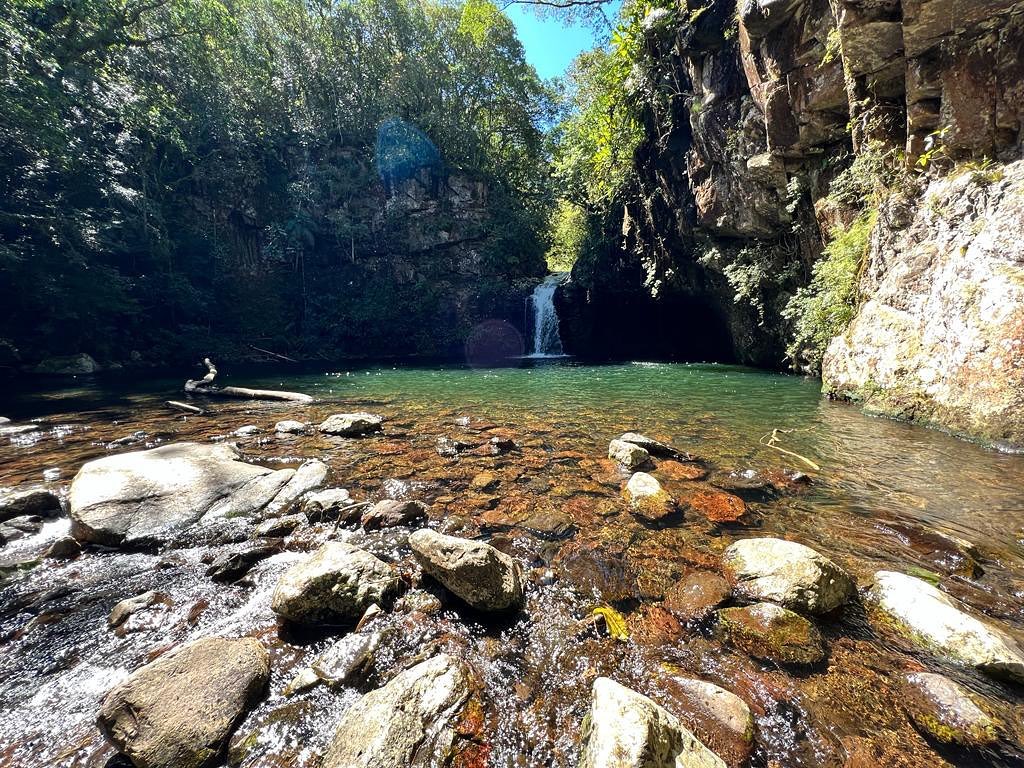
pixel 204 386
pixel 179 406
pixel 769 440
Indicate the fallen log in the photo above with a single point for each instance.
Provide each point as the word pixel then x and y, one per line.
pixel 204 386
pixel 177 405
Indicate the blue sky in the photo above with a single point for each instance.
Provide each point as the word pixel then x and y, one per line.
pixel 551 46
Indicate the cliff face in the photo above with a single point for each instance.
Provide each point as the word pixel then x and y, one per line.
pixel 768 124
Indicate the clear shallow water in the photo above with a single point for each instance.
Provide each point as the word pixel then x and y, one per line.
pixel 882 491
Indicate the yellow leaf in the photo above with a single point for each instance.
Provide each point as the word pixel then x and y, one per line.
pixel 614 621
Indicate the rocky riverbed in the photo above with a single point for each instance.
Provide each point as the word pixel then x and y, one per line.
pixel 380 583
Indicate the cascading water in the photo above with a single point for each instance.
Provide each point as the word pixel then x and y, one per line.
pixel 546 339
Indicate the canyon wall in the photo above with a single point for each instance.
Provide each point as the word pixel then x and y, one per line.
pixel 771 128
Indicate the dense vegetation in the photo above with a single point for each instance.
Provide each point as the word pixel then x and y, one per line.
pixel 318 177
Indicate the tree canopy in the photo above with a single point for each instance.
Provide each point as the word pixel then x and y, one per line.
pixel 168 165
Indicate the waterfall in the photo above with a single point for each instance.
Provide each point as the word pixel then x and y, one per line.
pixel 546 340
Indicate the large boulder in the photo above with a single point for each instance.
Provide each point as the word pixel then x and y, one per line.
pixel 409 723
pixel 178 711
pixel 932 618
pixel 788 573
pixel 336 584
pixel 479 574
pixel 144 497
pixel 625 729
pixel 251 497
pixel 351 424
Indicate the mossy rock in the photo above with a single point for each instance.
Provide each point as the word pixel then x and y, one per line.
pixel 771 633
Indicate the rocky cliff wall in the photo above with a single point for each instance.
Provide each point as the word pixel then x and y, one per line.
pixel 772 125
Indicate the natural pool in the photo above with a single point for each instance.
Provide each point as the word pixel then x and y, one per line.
pixel 884 493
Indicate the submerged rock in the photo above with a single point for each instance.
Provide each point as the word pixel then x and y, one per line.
pixel 310 475
pixel 943 710
pixel 770 632
pixel 144 497
pixel 788 573
pixel 935 620
pixel 628 455
pixel 409 723
pixel 720 713
pixel 625 729
pixel 479 574
pixel 247 431
pixel 335 584
pixel 327 505
pixel 233 565
pixel 718 506
pixel 17 502
pixel 125 609
pixel 390 513
pixel 351 424
pixel 178 711
pixel 696 595
pixel 646 497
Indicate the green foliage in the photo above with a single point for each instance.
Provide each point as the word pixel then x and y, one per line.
pixel 571 232
pixel 828 305
pixel 756 273
pixel 168 164
pixel 833 47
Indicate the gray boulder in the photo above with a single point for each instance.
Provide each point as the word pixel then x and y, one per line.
pixel 28 501
pixel 391 512
pixel 627 455
pixel 479 574
pixel 144 497
pixel 936 621
pixel 336 584
pixel 308 477
pixel 290 427
pixel 788 573
pixel 351 424
pixel 409 723
pixel 178 711
pixel 251 497
pixel 625 729
pixel 328 505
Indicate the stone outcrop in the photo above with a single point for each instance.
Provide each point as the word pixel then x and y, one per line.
pixel 741 179
pixel 625 729
pixel 409 723
pixel 140 498
pixel 477 573
pixel 788 573
pixel 336 584
pixel 16 502
pixel 940 336
pixel 178 711
pixel 927 616
pixel 627 455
